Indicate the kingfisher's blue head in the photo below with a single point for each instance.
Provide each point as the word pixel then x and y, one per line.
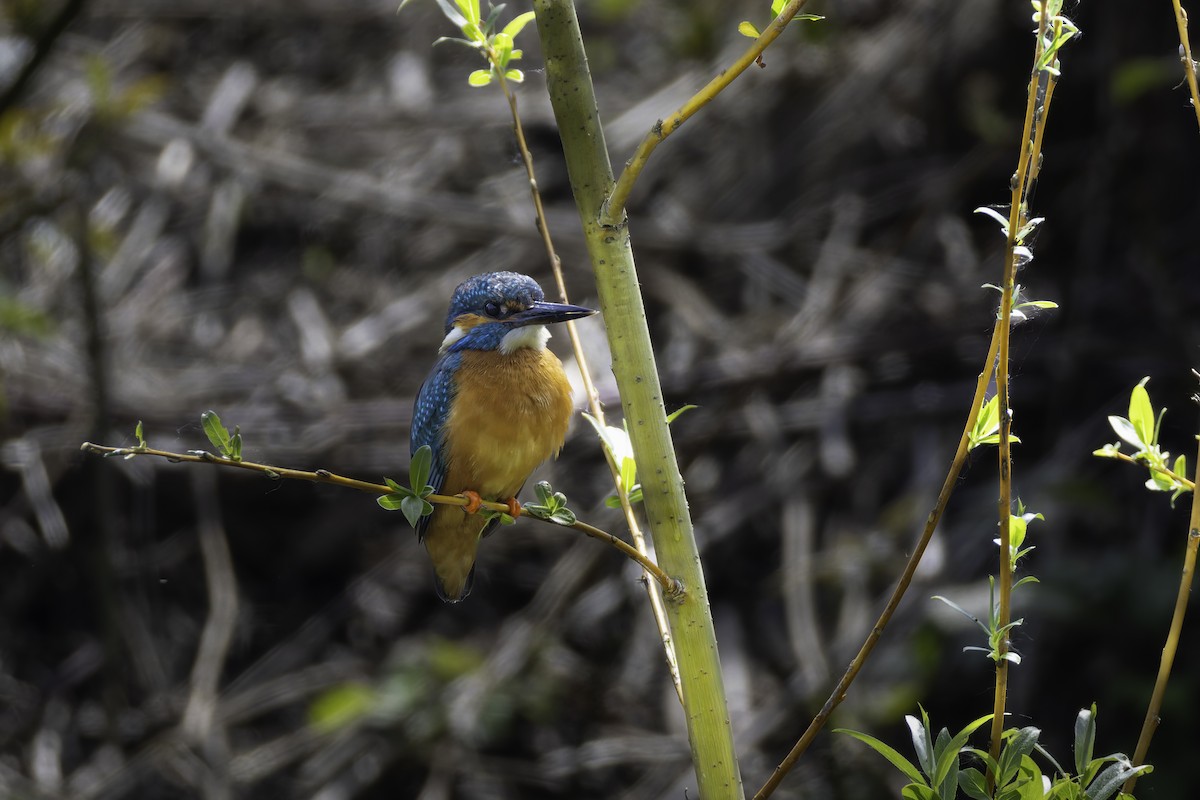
pixel 502 311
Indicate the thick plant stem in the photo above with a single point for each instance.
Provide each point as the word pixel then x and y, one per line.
pixel 1150 725
pixel 573 99
pixel 653 588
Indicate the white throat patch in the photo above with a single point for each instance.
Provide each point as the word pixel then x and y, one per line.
pixel 531 336
pixel 453 336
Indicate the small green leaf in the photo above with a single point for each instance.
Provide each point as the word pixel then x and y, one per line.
pixel 777 7
pixel 235 444
pixel 141 440
pixel 390 502
pixel 1085 738
pixel 518 24
pixel 418 469
pixel 974 784
pixel 922 739
pixel 215 431
pixel 480 77
pixel 1141 413
pixel 996 215
pixel 628 474
pixel 515 75
pixel 887 751
pixel 674 415
pixel 746 28
pixel 1126 430
pixel 413 508
pixel 563 516
pixel 545 492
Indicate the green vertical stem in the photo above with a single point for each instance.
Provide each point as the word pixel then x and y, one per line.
pixel 573 99
pixel 1027 166
pixel 1150 725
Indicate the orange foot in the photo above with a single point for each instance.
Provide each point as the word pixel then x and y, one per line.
pixel 474 501
pixel 514 508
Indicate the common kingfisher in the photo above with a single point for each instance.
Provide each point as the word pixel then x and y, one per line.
pixel 496 404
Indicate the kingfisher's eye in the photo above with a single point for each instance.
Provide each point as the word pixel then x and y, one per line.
pixel 493 309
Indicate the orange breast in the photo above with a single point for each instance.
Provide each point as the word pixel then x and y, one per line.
pixel 511 414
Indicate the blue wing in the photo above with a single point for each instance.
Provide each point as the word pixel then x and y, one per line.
pixel 429 418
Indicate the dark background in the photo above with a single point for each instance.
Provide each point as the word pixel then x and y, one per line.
pixel 266 206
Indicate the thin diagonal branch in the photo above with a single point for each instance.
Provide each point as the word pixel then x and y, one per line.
pixel 613 210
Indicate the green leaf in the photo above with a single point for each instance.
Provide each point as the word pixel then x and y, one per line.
pixel 418 469
pixel 946 766
pixel 887 751
pixel 414 508
pixel 518 24
pixel 922 740
pixel 480 77
pixel 1127 431
pixel 215 431
pixel 674 415
pixel 1141 413
pixel 390 502
pixel 628 474
pixel 141 440
pixel 1110 779
pixel 1180 466
pixel 1019 745
pixel 746 28
pixel 918 791
pixel 777 7
pixel 1085 738
pixel 974 784
pixel 515 75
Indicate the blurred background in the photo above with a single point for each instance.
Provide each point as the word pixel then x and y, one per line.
pixel 263 207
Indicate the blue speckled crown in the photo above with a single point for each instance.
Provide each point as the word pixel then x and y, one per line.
pixel 472 293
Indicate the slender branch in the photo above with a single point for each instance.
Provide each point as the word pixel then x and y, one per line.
pixel 948 485
pixel 639 539
pixel 1183 481
pixel 1150 725
pixel 671 586
pixel 1189 66
pixel 1027 166
pixel 613 210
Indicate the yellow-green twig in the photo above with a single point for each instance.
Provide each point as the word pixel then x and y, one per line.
pixel 613 210
pixel 1027 167
pixel 1189 66
pixel 1150 725
pixel 670 586
pixel 948 485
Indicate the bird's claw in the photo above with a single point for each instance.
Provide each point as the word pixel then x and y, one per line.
pixel 474 501
pixel 514 508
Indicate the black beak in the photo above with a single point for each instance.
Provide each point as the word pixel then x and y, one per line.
pixel 548 313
